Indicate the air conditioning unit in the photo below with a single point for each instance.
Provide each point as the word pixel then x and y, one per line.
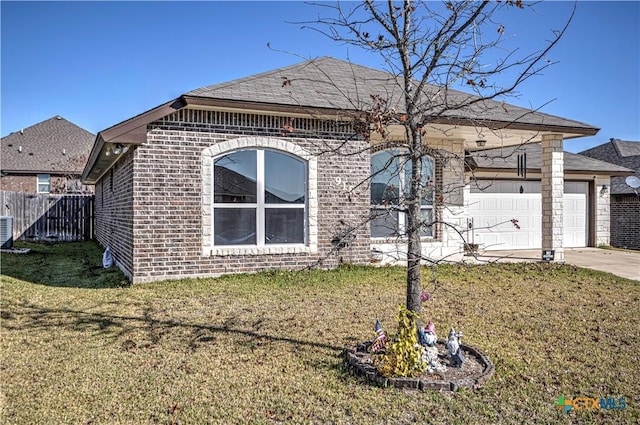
pixel 6 232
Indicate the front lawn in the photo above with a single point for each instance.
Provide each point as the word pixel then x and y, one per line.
pixel 268 347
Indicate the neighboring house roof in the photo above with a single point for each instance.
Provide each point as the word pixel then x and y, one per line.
pixel 326 86
pixel 53 146
pixel 627 148
pixel 507 159
pixel 620 152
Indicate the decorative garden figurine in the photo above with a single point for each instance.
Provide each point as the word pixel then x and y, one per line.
pixel 453 346
pixel 428 335
pixel 428 340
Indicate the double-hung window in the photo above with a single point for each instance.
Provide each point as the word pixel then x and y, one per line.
pixel 390 184
pixel 259 198
pixel 44 183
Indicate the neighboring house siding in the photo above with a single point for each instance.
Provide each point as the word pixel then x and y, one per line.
pixel 168 202
pixel 23 183
pixel 625 221
pixel 114 212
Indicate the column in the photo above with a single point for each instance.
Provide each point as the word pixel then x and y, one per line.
pixel 602 193
pixel 552 186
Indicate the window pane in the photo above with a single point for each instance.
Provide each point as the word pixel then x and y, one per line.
pixel 234 226
pixel 384 223
pixel 385 182
pixel 284 225
pixel 235 178
pixel 285 179
pixel 44 183
pixel 427 180
pixel 427 218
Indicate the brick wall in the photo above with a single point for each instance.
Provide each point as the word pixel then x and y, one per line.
pixel 166 192
pixel 14 183
pixel 114 212
pixel 27 183
pixel 625 221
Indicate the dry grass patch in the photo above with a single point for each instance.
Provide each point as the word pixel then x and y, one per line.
pixel 268 348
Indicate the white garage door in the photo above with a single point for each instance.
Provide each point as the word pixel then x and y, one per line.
pixel 494 209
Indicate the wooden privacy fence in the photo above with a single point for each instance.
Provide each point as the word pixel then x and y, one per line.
pixel 50 218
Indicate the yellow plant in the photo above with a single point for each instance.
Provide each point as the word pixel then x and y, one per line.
pixel 403 356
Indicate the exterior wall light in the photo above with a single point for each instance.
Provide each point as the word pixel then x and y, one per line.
pixel 119 148
pixel 480 143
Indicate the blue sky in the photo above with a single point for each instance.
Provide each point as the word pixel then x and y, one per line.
pixel 99 63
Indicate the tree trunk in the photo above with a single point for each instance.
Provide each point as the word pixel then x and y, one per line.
pixel 414 220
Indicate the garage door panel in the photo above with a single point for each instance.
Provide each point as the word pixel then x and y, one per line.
pixel 506 204
pixel 492 214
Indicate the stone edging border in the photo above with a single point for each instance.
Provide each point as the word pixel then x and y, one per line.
pixel 354 357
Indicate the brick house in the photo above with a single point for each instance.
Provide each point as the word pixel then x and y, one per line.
pixel 275 171
pixel 47 157
pixel 625 201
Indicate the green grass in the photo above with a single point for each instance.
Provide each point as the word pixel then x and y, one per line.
pixel 268 348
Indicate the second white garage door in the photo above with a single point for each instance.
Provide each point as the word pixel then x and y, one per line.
pixel 493 209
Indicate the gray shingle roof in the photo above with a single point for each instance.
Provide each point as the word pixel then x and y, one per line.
pixel 328 85
pixel 627 148
pixel 53 146
pixel 507 159
pixel 331 83
pixel 620 152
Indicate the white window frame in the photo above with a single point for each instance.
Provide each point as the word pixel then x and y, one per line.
pixel 260 206
pixel 43 179
pixel 260 144
pixel 402 216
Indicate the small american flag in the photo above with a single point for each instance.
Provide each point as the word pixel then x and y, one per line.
pixel 381 339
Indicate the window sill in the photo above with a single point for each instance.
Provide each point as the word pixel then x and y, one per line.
pixel 260 250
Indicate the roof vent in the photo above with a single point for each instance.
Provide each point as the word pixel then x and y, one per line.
pixel 20 149
pixel 22 131
pixel 58 117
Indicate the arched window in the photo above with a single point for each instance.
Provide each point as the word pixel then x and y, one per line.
pixel 391 174
pixel 259 198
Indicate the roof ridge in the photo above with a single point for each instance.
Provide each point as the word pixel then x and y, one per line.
pixel 257 76
pixel 40 123
pixel 22 129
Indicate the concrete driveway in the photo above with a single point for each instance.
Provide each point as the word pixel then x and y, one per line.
pixel 621 263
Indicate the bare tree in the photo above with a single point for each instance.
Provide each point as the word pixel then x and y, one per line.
pixel 69 173
pixel 431 49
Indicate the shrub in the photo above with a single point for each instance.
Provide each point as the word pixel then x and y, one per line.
pixel 403 356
